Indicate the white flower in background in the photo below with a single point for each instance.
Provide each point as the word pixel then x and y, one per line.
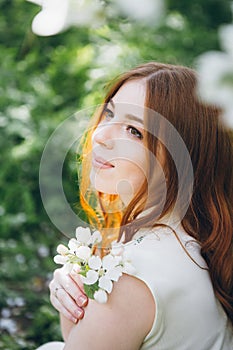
pixel 216 75
pixel 96 274
pixel 146 10
pixel 58 15
pixel 72 245
pixel 226 38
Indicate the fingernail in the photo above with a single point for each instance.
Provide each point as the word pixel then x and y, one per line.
pixel 74 320
pixel 78 313
pixel 82 300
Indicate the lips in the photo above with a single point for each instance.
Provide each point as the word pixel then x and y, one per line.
pixel 99 162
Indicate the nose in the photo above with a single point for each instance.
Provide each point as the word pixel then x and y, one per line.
pixel 103 135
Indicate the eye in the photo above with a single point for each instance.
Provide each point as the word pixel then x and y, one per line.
pixel 134 132
pixel 107 114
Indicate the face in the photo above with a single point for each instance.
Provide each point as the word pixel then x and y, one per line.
pixel 118 148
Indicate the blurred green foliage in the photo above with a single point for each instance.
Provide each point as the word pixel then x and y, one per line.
pixel 43 80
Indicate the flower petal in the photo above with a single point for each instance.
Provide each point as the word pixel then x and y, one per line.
pixel 95 238
pixel 226 38
pixel 101 296
pixel 83 234
pixel 83 253
pixel 106 284
pixel 91 277
pixel 94 262
pixel 60 259
pixel 109 262
pixel 114 274
pixel 61 249
pixel 51 19
pixel 148 10
pixel 73 245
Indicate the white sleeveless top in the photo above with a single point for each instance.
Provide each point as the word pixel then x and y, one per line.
pixel 188 315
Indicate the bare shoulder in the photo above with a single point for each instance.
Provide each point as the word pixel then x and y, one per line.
pixel 120 324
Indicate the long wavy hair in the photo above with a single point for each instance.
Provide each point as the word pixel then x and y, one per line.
pixel 171 92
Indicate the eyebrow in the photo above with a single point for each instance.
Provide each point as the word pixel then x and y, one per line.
pixel 128 115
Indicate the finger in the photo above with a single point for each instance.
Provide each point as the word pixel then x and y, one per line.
pixel 72 285
pixel 76 278
pixel 59 307
pixel 57 292
pixel 66 305
pixel 69 285
pixel 77 290
pixel 77 295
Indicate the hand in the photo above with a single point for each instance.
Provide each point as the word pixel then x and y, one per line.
pixel 67 294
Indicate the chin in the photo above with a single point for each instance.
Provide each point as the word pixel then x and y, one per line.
pixel 100 184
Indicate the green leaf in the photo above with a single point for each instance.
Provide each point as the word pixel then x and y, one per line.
pixel 82 273
pixel 91 289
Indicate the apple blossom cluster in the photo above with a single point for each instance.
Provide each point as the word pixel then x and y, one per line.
pixel 96 274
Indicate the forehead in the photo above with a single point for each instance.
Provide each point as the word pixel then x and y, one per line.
pixel 132 93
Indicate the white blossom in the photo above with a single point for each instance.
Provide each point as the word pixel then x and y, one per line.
pixel 109 262
pixel 147 10
pixel 9 325
pixel 61 249
pixel 73 245
pixel 226 38
pixel 95 238
pixel 60 259
pixel 101 296
pixel 105 283
pixel 215 84
pixel 84 236
pixel 115 273
pixel 91 277
pixel 83 253
pixel 96 274
pixel 58 15
pixel 94 262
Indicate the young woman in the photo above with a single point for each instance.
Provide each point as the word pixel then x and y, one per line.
pixel 160 166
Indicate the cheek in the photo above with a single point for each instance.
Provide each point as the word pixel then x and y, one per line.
pixel 131 175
